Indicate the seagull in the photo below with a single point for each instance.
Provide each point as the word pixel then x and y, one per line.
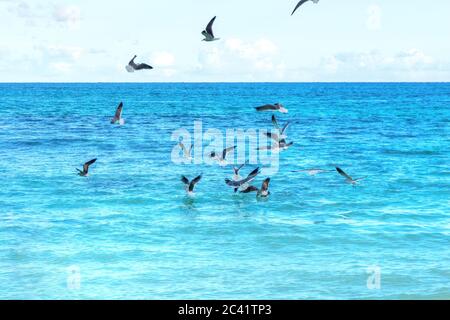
pixel 187 153
pixel 280 144
pixel 272 107
pixel 302 2
pixel 275 123
pixel 263 192
pixel 85 171
pixel 118 115
pixel 313 172
pixel 348 179
pixel 132 66
pixel 208 33
pixel 221 157
pixel 189 185
pixel 237 176
pixel 238 184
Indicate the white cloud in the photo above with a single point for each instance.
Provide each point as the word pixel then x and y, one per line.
pixel 374 17
pixel 242 59
pixel 66 52
pixel 163 59
pixel 69 15
pixel 210 58
pixel 251 50
pixel 414 58
pixel 62 67
pixel 376 66
pixel 24 10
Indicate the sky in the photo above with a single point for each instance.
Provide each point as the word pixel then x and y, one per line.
pixel 331 41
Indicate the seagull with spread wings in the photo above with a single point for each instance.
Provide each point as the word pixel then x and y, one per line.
pixel 133 66
pixel 190 185
pixel 84 172
pixel 221 157
pixel 118 116
pixel 348 179
pixel 237 176
pixel 272 107
pixel 208 32
pixel 242 183
pixel 280 130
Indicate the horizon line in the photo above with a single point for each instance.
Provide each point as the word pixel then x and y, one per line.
pixel 217 82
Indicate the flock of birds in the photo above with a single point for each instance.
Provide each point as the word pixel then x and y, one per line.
pixel 207 33
pixel 238 183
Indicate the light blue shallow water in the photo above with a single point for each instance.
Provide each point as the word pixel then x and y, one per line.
pixel 133 233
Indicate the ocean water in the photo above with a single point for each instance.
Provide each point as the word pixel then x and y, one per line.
pixel 129 231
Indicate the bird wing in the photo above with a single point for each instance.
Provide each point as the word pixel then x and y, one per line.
pixel 184 180
pixel 132 63
pixel 298 5
pixel 194 182
pixel 236 170
pixel 342 173
pixel 275 122
pixel 142 66
pixel 254 173
pixel 285 127
pixel 265 185
pixel 197 179
pixel 266 107
pixel 87 164
pixel 209 27
pixel 227 150
pixel 118 111
pixel 250 189
pixel 239 183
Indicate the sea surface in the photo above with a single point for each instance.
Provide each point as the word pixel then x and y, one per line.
pixel 128 230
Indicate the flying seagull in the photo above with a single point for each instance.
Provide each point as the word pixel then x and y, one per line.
pixel 272 107
pixel 237 176
pixel 302 2
pixel 189 185
pixel 279 144
pixel 312 172
pixel 85 171
pixel 221 157
pixel 133 66
pixel 263 192
pixel 118 115
pixel 282 130
pixel 187 153
pixel 238 184
pixel 208 32
pixel 348 179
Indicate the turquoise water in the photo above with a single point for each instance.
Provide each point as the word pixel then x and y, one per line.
pixel 129 231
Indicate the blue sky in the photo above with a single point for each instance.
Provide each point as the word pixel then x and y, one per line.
pixel 346 40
